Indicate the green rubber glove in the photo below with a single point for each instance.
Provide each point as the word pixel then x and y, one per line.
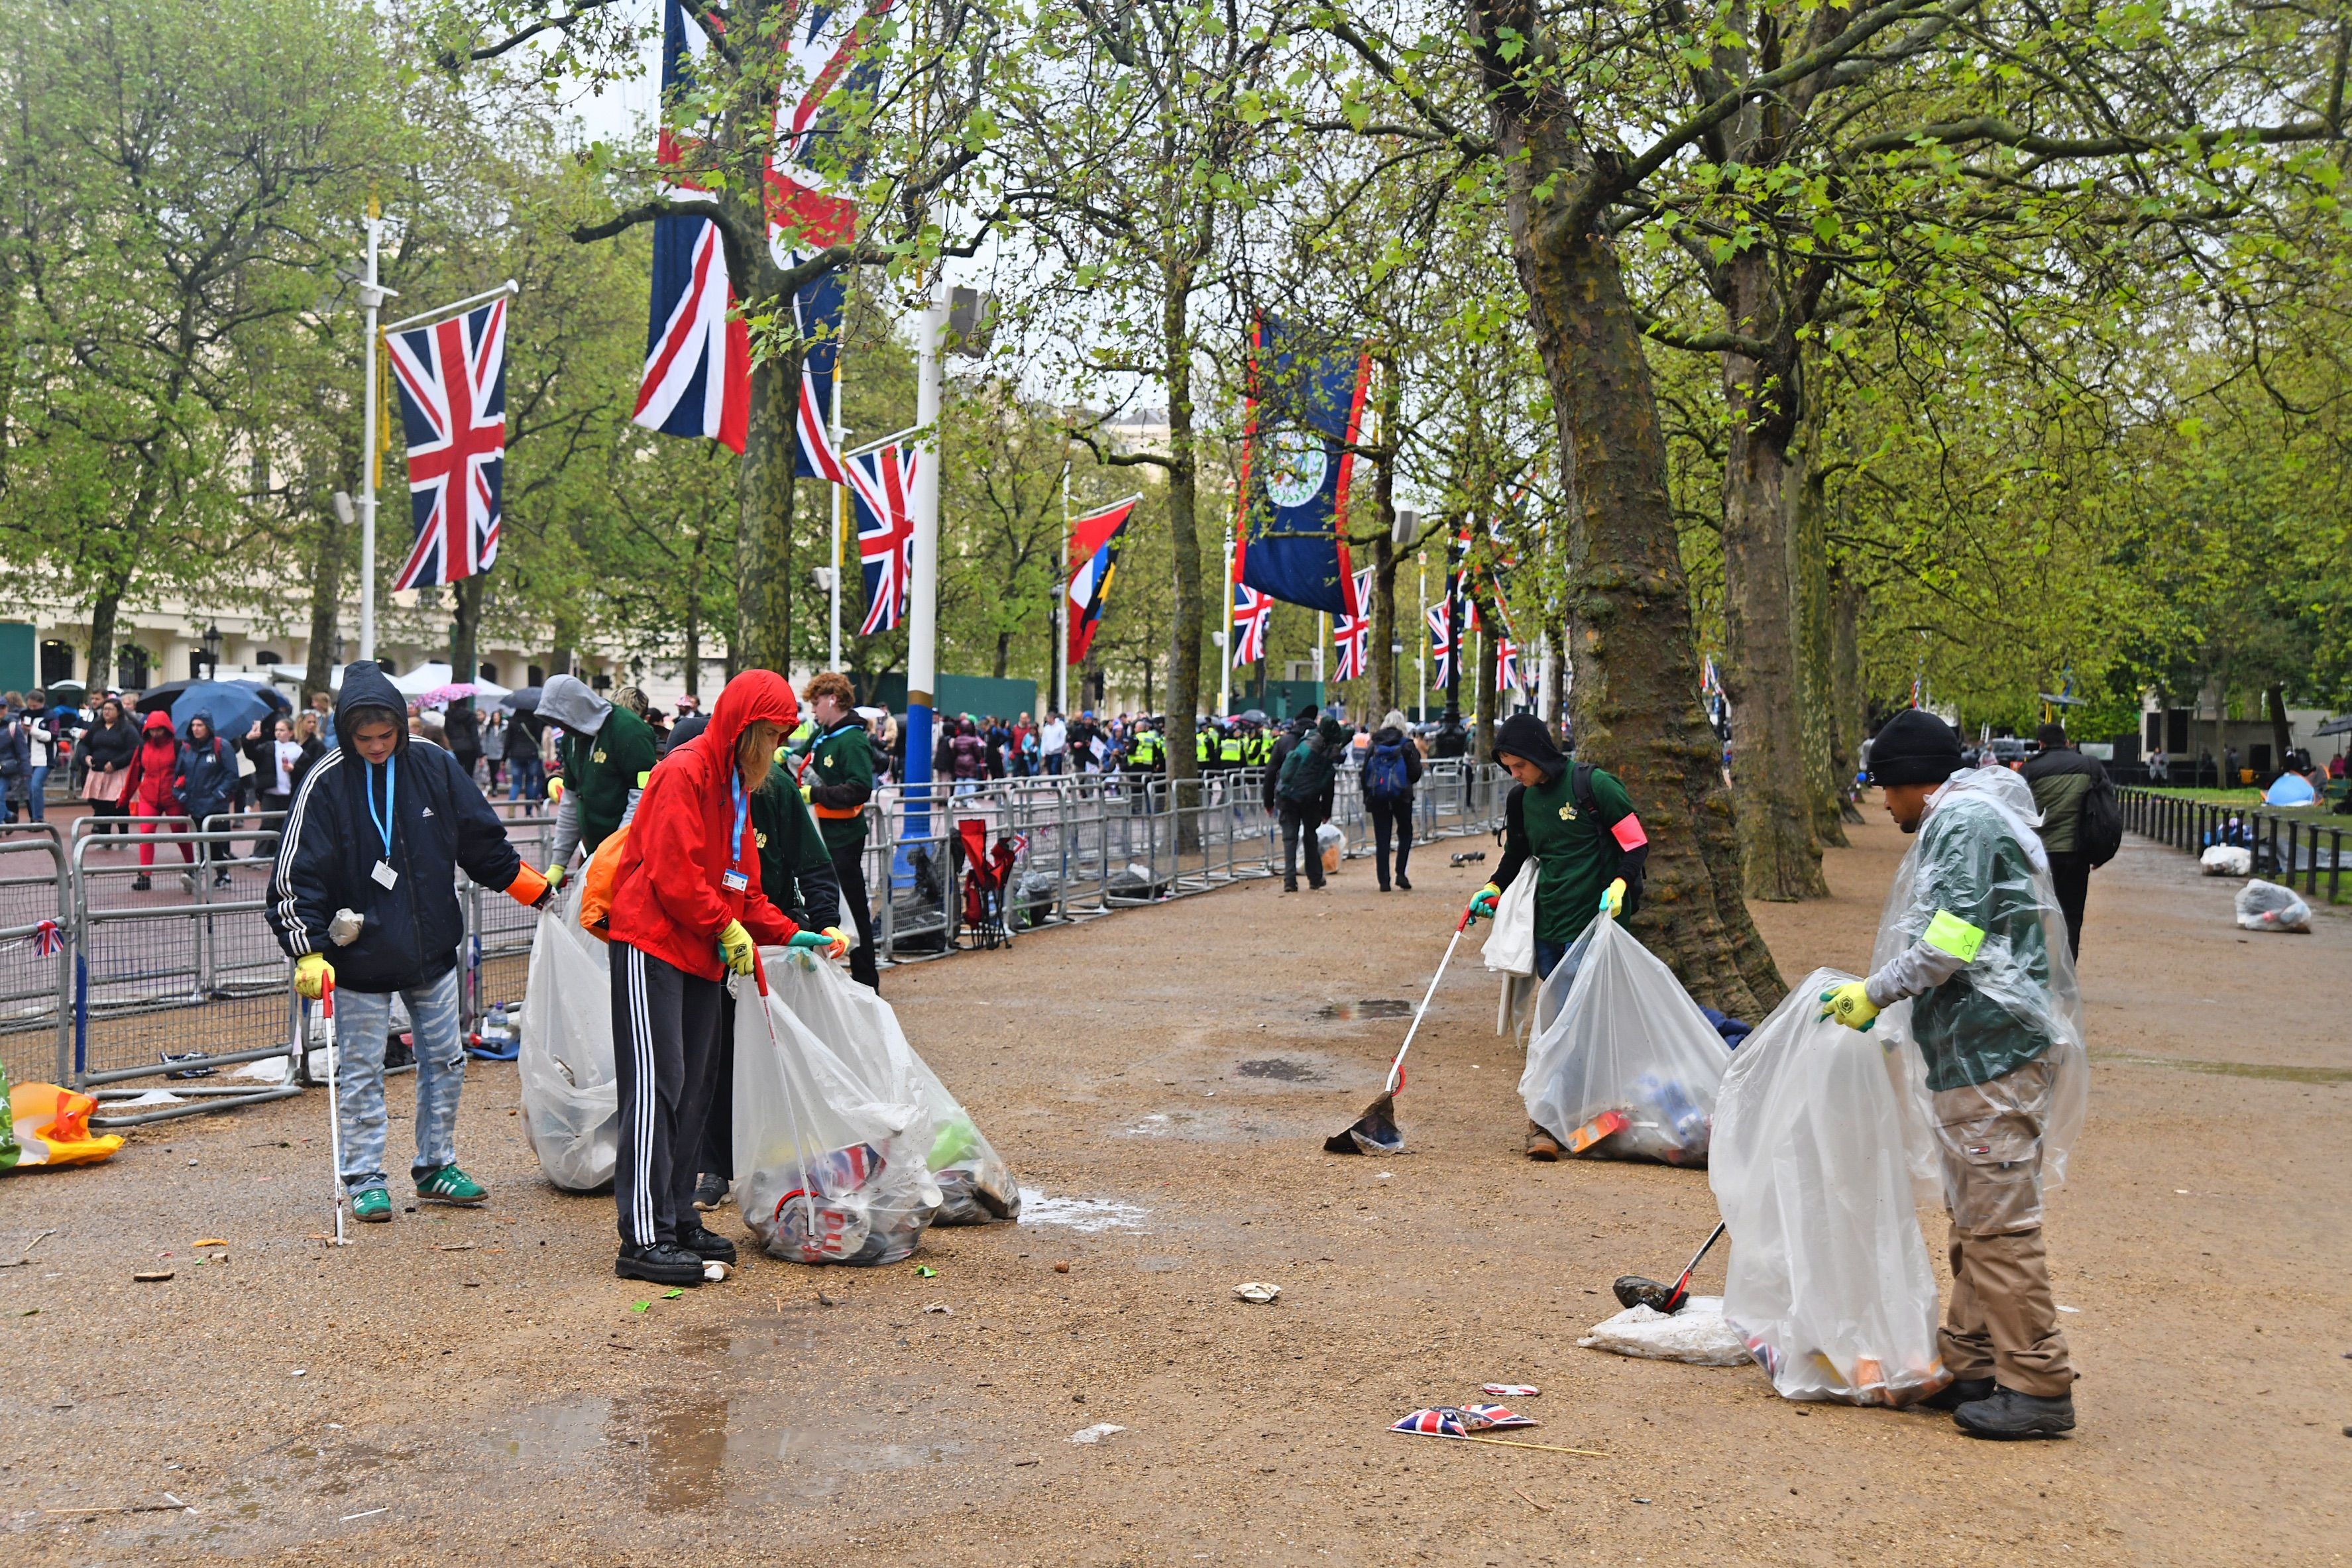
pixel 1481 907
pixel 1850 1005
pixel 742 955
pixel 809 941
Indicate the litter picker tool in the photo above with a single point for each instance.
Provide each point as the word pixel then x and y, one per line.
pixel 1635 1290
pixel 1376 1130
pixel 334 1109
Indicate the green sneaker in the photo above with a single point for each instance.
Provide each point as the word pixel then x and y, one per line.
pixel 372 1205
pixel 450 1185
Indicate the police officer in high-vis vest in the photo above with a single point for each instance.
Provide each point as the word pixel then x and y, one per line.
pixel 837 774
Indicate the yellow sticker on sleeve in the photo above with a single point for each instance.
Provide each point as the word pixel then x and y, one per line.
pixel 1949 933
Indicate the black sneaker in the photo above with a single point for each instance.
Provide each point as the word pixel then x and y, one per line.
pixel 1405 883
pixel 140 884
pixel 710 1191
pixel 1952 1395
pixel 661 1264
pixel 2008 1415
pixel 706 1244
pixel 220 879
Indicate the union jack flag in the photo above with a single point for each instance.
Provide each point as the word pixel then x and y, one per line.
pixel 1507 664
pixel 1440 641
pixel 1352 630
pixel 1460 1421
pixel 48 940
pixel 882 486
pixel 1252 612
pixel 452 378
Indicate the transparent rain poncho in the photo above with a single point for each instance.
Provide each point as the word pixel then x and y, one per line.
pixel 2001 1039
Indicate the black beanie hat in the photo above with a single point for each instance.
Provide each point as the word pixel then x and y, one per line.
pixel 1915 747
pixel 1523 735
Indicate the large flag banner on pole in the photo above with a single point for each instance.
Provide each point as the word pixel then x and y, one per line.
pixel 1304 415
pixel 1252 613
pixel 1093 547
pixel 1440 641
pixel 882 488
pixel 1352 632
pixel 452 378
pixel 697 374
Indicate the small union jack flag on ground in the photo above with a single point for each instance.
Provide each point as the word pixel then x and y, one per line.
pixel 452 378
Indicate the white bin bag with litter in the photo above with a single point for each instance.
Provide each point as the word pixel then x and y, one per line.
pixel 2266 905
pixel 1616 1033
pixel 833 1122
pixel 571 1101
pixel 976 1187
pixel 1697 1334
pixel 2227 860
pixel 1821 1154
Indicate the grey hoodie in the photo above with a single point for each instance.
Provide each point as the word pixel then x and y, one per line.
pixel 566 699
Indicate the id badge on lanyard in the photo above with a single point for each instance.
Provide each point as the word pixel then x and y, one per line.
pixel 734 879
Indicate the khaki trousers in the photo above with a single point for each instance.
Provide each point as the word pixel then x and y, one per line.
pixel 2002 1323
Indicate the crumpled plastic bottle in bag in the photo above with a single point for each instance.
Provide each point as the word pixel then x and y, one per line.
pixel 2266 905
pixel 1616 1031
pixel 570 1099
pixel 833 1127
pixel 1822 1151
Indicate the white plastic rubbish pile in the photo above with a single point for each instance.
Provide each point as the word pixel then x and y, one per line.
pixel 847 1147
pixel 1617 1038
pixel 2266 905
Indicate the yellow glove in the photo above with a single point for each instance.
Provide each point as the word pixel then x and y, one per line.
pixel 555 875
pixel 1482 906
pixel 1850 1005
pixel 740 952
pixel 312 975
pixel 840 948
pixel 1612 902
pixel 555 792
pixel 805 793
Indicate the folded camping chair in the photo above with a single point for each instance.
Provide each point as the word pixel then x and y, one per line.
pixel 983 884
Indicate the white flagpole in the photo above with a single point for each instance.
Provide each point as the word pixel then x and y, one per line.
pixel 371 296
pixel 1421 637
pixel 1226 648
pixel 833 636
pixel 923 606
pixel 1062 599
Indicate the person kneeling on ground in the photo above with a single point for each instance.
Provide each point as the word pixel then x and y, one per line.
pixel 1577 824
pixel 365 893
pixel 1983 961
pixel 687 910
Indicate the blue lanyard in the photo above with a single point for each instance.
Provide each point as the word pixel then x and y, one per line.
pixel 383 822
pixel 742 807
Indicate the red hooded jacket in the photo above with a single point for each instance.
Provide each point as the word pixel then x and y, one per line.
pixel 153 765
pixel 683 829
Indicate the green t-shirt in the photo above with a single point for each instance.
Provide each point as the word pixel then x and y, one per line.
pixel 789 841
pixel 599 770
pixel 1578 854
pixel 844 754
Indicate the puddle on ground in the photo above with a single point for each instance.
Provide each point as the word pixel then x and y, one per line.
pixel 1279 1068
pixel 2234 1069
pixel 1084 1216
pixel 1349 1011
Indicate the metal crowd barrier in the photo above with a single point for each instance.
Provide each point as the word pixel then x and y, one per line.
pixel 119 992
pixel 2286 845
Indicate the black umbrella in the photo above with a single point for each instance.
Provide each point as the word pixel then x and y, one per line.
pixel 159 699
pixel 523 701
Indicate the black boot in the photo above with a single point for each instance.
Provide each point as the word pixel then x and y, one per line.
pixel 661 1263
pixel 1952 1395
pixel 140 884
pixel 706 1244
pixel 1405 883
pixel 2008 1414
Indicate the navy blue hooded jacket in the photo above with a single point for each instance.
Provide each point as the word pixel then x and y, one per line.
pixel 207 780
pixel 441 823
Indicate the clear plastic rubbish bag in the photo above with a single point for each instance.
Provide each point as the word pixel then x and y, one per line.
pixel 2227 860
pixel 833 1129
pixel 1697 1334
pixel 2266 905
pixel 1820 1141
pixel 1615 1031
pixel 1979 858
pixel 570 1100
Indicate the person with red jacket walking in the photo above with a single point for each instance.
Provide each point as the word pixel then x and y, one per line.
pixel 152 790
pixel 687 909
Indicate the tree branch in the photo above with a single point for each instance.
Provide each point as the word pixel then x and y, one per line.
pixel 1726 343
pixel 1993 128
pixel 550 24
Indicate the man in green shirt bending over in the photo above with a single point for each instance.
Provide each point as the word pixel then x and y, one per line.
pixel 606 753
pixel 1577 823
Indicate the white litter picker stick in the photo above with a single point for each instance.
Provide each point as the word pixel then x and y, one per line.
pixel 334 1113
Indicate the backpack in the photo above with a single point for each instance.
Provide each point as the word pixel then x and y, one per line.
pixel 2100 832
pixel 1580 786
pixel 599 881
pixel 1386 779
